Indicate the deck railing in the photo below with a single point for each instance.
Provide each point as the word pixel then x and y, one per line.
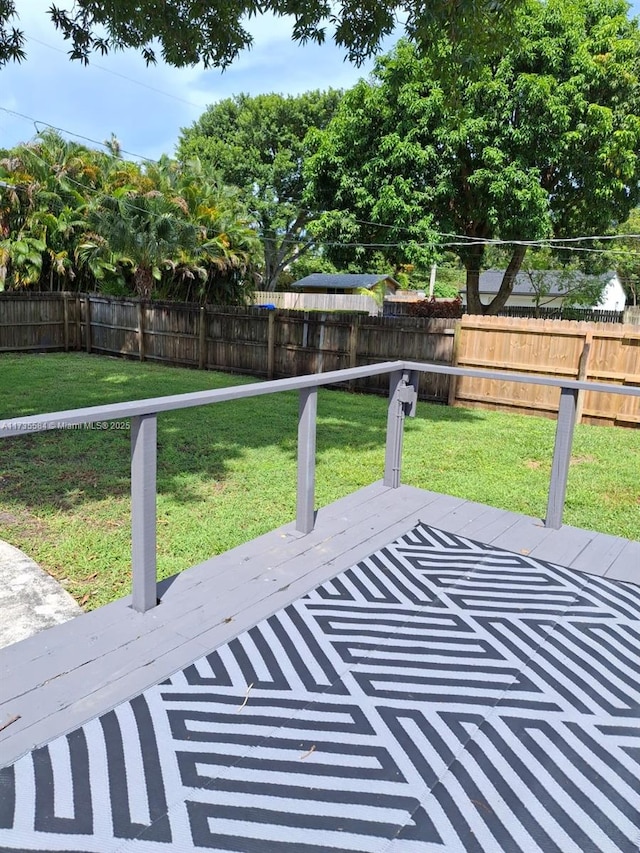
pixel 403 388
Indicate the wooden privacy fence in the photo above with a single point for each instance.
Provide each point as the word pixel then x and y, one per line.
pixel 255 341
pixel 262 342
pixel 601 352
pixel 38 321
pixel 274 344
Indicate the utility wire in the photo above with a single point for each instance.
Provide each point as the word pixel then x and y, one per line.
pixel 122 76
pixel 494 241
pixel 445 245
pixel 36 122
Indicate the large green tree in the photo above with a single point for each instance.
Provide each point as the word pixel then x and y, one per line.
pixel 190 31
pixel 541 142
pixel 257 145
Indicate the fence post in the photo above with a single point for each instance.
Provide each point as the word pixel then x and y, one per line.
pixel 271 345
pixel 140 330
pixel 65 314
pixel 78 322
pixel 583 370
pixel 453 380
pixel 305 515
pixel 322 319
pixel 87 339
pixel 561 457
pixel 353 347
pixel 402 393
pixel 202 338
pixel 144 430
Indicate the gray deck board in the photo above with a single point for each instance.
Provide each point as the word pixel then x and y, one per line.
pixel 626 566
pixel 565 549
pixel 95 669
pixel 523 536
pixel 119 616
pixel 57 680
pixel 488 524
pixel 602 551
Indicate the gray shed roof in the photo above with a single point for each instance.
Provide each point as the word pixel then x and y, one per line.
pixel 490 281
pixel 341 281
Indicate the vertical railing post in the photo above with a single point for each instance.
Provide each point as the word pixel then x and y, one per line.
pixel 395 428
pixel 305 513
pixel 561 457
pixel 144 429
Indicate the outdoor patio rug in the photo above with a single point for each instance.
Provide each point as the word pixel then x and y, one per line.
pixel 442 695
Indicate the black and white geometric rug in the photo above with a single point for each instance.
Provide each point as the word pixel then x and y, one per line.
pixel 442 696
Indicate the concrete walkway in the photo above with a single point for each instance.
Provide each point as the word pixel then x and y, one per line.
pixel 30 599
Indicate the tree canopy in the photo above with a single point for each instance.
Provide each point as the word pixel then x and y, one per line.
pixel 257 145
pixel 542 142
pixel 215 32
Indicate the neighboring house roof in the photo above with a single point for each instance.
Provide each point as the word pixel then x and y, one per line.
pixel 342 281
pixel 490 282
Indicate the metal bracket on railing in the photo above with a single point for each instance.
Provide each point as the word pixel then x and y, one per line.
pixel 408 394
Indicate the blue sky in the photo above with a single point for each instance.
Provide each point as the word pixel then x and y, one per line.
pixel 147 107
pixel 147 110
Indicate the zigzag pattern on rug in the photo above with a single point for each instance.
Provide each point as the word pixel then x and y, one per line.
pixel 442 696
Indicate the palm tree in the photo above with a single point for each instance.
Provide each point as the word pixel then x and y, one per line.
pixel 146 230
pixel 228 242
pixel 81 217
pixel 41 216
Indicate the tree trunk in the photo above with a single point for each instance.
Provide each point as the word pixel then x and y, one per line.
pixel 143 279
pixel 508 280
pixel 472 264
pixel 278 255
pixel 270 272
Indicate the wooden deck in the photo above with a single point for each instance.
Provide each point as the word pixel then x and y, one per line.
pixel 59 679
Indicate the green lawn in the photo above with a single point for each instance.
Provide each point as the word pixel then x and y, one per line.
pixel 226 473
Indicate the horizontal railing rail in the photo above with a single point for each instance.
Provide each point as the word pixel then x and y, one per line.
pixel 155 405
pixel 403 393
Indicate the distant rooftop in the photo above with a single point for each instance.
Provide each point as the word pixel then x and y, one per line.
pixel 342 281
pixel 490 282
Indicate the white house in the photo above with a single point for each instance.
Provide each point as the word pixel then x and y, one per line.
pixel 551 288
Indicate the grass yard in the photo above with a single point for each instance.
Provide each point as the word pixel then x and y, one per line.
pixel 226 473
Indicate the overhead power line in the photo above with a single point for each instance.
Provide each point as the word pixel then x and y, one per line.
pixel 495 241
pixel 103 144
pixel 119 74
